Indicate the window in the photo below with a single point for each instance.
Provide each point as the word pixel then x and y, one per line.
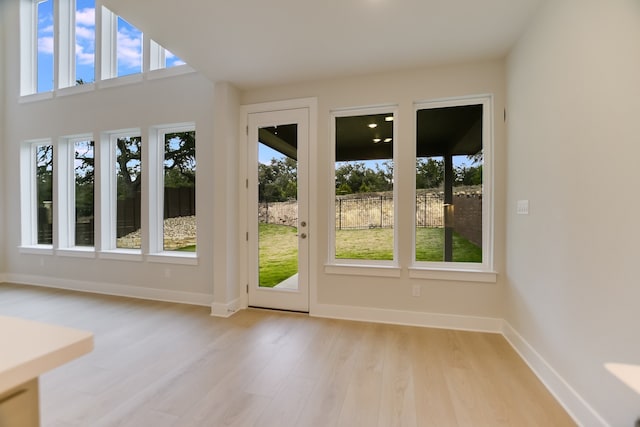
pixel 179 201
pixel 44 193
pixel 85 41
pixel 453 197
pixel 128 197
pixel 161 58
pixel 84 181
pixel 364 194
pixel 128 48
pixel 45 47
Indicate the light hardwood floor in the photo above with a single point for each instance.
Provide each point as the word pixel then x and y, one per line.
pixel 160 364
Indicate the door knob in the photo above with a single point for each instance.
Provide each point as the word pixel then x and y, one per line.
pixel 303 236
pixel 303 224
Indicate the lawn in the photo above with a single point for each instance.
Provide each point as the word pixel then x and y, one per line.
pixel 279 255
pixel 278 252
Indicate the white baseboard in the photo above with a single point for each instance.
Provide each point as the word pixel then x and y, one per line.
pixel 571 401
pixel 409 318
pixel 167 295
pixel 225 309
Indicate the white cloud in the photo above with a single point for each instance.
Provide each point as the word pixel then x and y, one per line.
pixel 84 33
pixel 83 57
pixel 46 30
pixel 86 17
pixel 45 45
pixel 129 48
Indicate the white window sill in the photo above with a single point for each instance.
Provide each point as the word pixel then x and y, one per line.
pixel 121 255
pixel 453 274
pixel 120 81
pixel 25 99
pixel 174 257
pixel 36 250
pixel 78 251
pixel 358 269
pixel 161 73
pixel 74 90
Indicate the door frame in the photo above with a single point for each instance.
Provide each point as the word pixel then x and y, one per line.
pixel 243 174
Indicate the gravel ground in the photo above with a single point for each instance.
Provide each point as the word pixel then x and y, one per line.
pixel 178 233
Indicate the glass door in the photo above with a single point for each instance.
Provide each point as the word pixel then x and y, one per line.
pixel 278 205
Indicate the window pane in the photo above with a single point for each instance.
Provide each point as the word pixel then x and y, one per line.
pixel 179 231
pixel 364 187
pixel 45 45
pixel 449 184
pixel 171 60
pixel 44 190
pixel 85 41
pixel 84 180
pixel 129 182
pixel 129 48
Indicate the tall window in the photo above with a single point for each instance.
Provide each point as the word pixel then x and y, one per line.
pixel 179 205
pixel 45 36
pixel 128 191
pixel 129 49
pixel 83 154
pixel 364 190
pixel 85 41
pixel 44 194
pixel 451 224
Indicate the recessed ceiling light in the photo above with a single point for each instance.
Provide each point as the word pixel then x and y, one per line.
pixel 387 140
pixel 373 125
pixel 376 140
pixel 388 119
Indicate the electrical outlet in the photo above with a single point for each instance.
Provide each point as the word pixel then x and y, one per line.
pixel 522 207
pixel 415 291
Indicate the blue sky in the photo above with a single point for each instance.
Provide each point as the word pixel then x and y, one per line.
pixel 129 46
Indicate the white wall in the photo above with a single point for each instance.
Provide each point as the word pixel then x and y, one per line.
pixel 573 131
pixel 338 294
pixel 2 101
pixel 184 98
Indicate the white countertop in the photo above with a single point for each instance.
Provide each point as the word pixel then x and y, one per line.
pixel 29 349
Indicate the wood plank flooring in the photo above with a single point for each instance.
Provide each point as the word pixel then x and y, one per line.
pixel 160 364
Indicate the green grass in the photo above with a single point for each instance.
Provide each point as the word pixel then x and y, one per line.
pixel 278 246
pixel 377 244
pixel 190 248
pixel 278 252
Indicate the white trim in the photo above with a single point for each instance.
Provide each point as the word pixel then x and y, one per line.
pixel 409 318
pixel 3 278
pixel 368 269
pixel 453 274
pixel 577 407
pixel 36 249
pixel 77 251
pixel 173 257
pixel 243 258
pixel 122 255
pixel 392 109
pixel 486 100
pixel 225 310
pixel 167 295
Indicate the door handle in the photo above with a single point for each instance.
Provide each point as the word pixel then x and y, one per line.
pixel 303 235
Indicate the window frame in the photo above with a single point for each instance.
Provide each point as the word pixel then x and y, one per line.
pixel 66 206
pixel 155 167
pixel 484 271
pixel 29 198
pixel 385 268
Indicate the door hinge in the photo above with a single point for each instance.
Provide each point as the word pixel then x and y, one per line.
pixel 247 288
pixel 247 236
pixel 247 130
pixel 246 183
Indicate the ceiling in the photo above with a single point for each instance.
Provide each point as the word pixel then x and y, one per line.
pixel 254 43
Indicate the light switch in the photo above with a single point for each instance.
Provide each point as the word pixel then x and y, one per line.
pixel 522 207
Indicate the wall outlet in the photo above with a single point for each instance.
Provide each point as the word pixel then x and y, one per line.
pixel 415 291
pixel 522 207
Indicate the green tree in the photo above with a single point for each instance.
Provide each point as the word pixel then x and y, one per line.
pixel 278 180
pixel 429 173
